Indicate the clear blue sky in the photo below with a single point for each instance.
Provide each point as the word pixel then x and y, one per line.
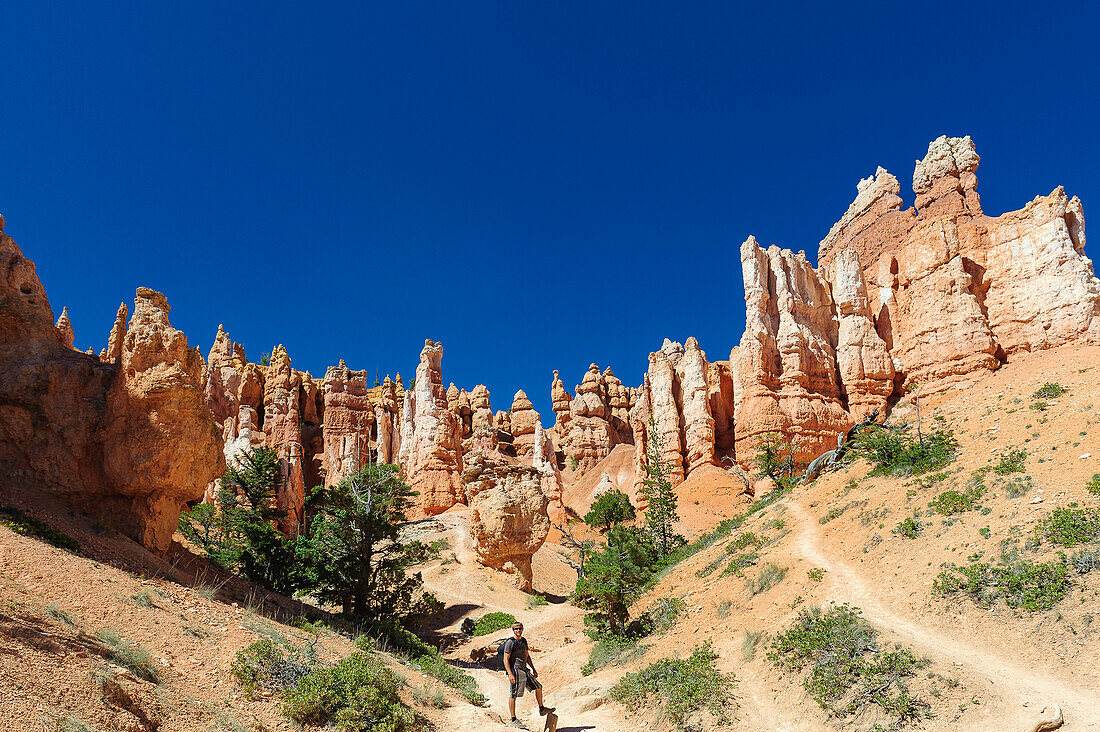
pixel 538 185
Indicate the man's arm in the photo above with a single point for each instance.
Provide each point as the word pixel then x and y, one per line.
pixel 508 664
pixel 531 663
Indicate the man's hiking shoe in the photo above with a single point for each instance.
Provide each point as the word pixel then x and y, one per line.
pixel 516 723
pixel 545 710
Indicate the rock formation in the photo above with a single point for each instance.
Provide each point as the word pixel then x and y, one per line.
pixel 788 378
pixel 465 413
pixel 682 391
pixel 65 328
pixel 283 434
pixel 431 448
pixel 118 334
pixel 128 442
pixel 618 402
pixel 508 516
pixel 349 419
pixel 953 291
pixel 589 434
pixel 544 459
pixel 523 420
pixel 931 295
pixel 163 443
pixel 561 400
pixel 482 408
pixel 866 369
pixel 388 430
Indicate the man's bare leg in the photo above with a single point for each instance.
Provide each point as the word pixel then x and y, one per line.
pixel 538 697
pixel 512 706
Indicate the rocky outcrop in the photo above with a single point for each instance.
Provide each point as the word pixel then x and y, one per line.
pixel 787 373
pixel 128 443
pixel 349 419
pixel 508 514
pixel 431 449
pixel 561 399
pixel 932 296
pixel 482 408
pixel 52 400
pixel 618 403
pixel 589 436
pixel 544 459
pixel 65 328
pixel 161 446
pixel 866 369
pixel 523 420
pixel 465 413
pixel 118 334
pixel 682 391
pixel 283 434
pixel 953 292
pixel 388 430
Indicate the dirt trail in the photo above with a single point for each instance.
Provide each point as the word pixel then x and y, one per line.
pixel 1016 684
pixel 579 701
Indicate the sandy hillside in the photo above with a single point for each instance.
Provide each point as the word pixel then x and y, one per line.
pixel 990 669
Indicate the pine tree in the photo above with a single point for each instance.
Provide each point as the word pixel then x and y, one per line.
pixel 238 531
pixel 610 509
pixel 353 550
pixel 660 515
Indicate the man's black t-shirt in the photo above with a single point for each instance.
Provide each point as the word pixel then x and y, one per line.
pixel 518 649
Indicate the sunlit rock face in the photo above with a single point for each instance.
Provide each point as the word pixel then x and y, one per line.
pixel 927 297
pixel 431 447
pixel 508 514
pixel 129 442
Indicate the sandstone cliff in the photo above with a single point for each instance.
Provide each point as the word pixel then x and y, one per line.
pixel 128 443
pixel 932 296
pixel 431 446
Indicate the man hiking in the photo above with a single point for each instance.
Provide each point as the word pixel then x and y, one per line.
pixel 516 661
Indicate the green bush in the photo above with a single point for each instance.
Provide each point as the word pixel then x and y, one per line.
pixel 769 577
pixel 846 668
pixel 268 665
pixel 1085 561
pixel 1093 486
pixel 420 655
pixel 1071 526
pixel 952 501
pixel 893 451
pixel 21 523
pixel 1049 390
pixel 436 666
pixel 1011 462
pixel 739 562
pixel 910 528
pixel 816 574
pixel 493 622
pixel 132 656
pixel 746 539
pixel 680 688
pixel 1019 583
pixel 662 615
pixel 357 694
pixel 611 649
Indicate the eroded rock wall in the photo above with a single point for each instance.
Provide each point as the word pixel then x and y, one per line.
pixel 128 442
pixel 431 449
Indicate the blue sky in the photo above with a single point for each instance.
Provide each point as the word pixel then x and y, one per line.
pixel 538 185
